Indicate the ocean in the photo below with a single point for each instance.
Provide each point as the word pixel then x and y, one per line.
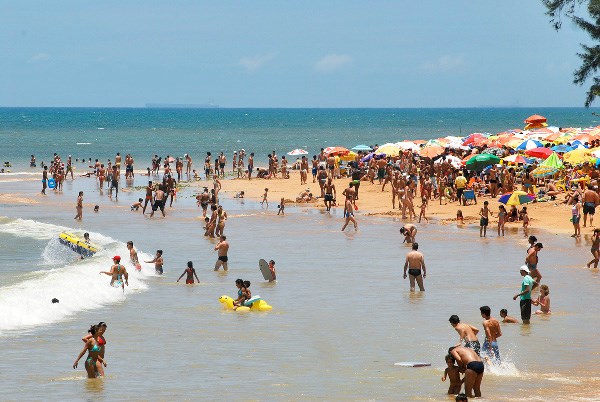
pixel 342 314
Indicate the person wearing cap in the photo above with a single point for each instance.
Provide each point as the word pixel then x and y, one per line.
pixel 532 262
pixel 117 273
pixel 525 295
pixel 460 183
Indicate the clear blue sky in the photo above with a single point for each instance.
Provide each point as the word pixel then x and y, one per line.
pixel 305 53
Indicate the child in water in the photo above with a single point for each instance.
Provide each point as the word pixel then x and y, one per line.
pixel 506 318
pixel 543 300
pixel 452 372
pixel 243 293
pixel 158 262
pixel 423 209
pixel 281 207
pixel 264 200
pixel 136 205
pixel 459 217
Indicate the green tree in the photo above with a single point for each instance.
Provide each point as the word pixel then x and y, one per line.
pixel 590 57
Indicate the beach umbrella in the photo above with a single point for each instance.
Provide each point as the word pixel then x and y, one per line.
pixel 535 121
pixel 348 157
pixel 431 151
pixel 577 144
pixel 529 144
pixel 474 139
pixel 408 145
pixel 481 161
pixel 371 156
pixel 516 198
pixel 553 161
pixel 336 151
pixel 516 158
pixel 362 147
pixel 389 149
pixel 297 152
pixel 451 159
pixel 562 148
pixel 494 151
pixel 544 171
pixel 577 156
pixel 540 152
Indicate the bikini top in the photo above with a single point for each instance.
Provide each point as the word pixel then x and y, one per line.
pixel 101 341
pixel 95 348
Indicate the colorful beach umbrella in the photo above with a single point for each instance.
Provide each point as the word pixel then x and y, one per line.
pixel 474 139
pixel 544 171
pixel 553 161
pixel 516 198
pixel 297 152
pixel 336 151
pixel 578 156
pixel 408 145
pixel 562 148
pixel 481 161
pixel 348 157
pixel 516 158
pixel 389 149
pixel 540 152
pixel 362 147
pixel 529 144
pixel 431 151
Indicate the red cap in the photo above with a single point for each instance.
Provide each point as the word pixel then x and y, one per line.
pixel 116 258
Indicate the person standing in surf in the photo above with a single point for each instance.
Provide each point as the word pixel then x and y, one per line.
pixel 101 341
pixel 191 273
pixel 222 248
pixel 118 274
pixel 79 206
pixel 133 257
pixel 158 262
pixel 92 346
pixel 415 262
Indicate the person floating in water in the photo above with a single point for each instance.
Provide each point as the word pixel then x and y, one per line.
pixel 117 273
pixel 191 273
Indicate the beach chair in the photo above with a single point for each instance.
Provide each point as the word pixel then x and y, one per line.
pixel 469 195
pixel 560 184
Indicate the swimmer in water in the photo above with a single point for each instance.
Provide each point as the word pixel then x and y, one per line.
pixel 158 262
pixel 506 319
pixel 191 273
pixel 133 256
pixel 239 283
pixel 92 346
pixel 117 273
pixel 543 300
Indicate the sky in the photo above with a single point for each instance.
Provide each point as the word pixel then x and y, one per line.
pixel 325 53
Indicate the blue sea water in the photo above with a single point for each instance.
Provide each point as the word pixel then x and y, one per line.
pixel 102 132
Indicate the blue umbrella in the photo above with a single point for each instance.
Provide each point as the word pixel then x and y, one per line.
pixel 562 148
pixel 362 147
pixel 529 144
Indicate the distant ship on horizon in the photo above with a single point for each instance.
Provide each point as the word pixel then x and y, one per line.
pixel 210 105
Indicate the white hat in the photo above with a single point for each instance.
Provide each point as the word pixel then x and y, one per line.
pixel 524 268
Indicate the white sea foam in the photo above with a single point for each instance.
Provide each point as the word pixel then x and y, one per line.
pixel 84 143
pixel 76 283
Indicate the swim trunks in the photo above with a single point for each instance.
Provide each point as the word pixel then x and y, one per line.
pixel 380 173
pixel 414 272
pixel 223 258
pixel 475 345
pixel 491 349
pixel 189 281
pixel 483 221
pixel 159 204
pixel 589 208
pixel 328 197
pixel 477 367
pixel 314 171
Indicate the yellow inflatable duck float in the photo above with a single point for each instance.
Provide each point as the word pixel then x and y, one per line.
pixel 254 304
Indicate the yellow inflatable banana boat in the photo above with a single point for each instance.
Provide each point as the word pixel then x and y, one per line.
pixel 254 304
pixel 78 245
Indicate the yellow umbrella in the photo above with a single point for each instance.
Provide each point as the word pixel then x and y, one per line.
pixel 348 157
pixel 577 156
pixel 514 143
pixel 563 139
pixel 389 149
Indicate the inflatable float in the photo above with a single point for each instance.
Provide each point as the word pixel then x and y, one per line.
pixel 76 244
pixel 254 304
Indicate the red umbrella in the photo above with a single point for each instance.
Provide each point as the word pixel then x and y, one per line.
pixel 474 138
pixel 535 119
pixel 336 151
pixel 539 152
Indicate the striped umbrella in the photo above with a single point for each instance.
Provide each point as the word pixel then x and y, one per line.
pixel 516 198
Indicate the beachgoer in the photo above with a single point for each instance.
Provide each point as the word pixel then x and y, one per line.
pixel 590 202
pixel 272 269
pixel 525 218
pixel 222 248
pixel 330 194
pixel 101 329
pixel 243 293
pixel 281 206
pixel 303 170
pixel 423 209
pixel 44 180
pixel 501 219
pixel 349 214
pixel 525 295
pixel 191 273
pixel 595 250
pixel 158 262
pixel 507 319
pixel 149 192
pixel 460 183
pixel 576 216
pixel 159 201
pixel 470 363
pixel 492 330
pixel 79 206
pixel 93 348
pixel 415 262
pixel 410 233
pixel 543 300
pixel 532 262
pixel 453 374
pixel 137 205
pixel 118 274
pixel 484 219
pixel 133 256
pixel 466 333
pixel 264 199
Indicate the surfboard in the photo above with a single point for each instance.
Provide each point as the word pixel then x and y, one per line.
pixel 264 268
pixel 412 364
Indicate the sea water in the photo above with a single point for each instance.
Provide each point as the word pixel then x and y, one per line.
pixel 342 314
